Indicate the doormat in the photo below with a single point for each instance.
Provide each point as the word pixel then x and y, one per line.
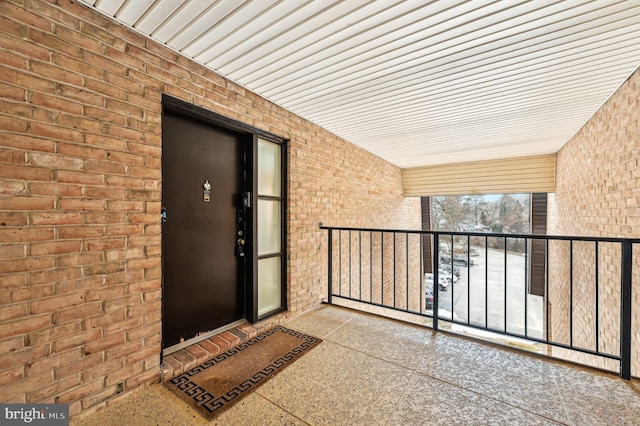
pixel 224 380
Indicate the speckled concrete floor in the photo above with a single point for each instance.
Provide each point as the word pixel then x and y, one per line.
pixel 374 371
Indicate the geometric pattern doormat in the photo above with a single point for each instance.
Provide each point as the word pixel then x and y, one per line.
pixel 222 381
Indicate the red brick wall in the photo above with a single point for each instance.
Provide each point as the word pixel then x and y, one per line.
pixel 598 194
pixel 80 196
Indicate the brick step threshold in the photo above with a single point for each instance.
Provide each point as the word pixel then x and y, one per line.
pixel 191 356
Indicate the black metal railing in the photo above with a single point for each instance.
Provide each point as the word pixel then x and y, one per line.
pixel 485 281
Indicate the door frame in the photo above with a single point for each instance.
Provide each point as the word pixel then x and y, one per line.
pixel 178 106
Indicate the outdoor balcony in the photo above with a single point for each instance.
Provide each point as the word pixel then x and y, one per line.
pixel 371 370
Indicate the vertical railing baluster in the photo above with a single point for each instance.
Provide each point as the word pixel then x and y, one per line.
pixel 360 263
pixel 452 285
pixel 340 261
pixel 468 280
pixel 546 293
pixel 330 266
pixel 597 299
pixel 625 314
pixel 370 266
pixel 486 282
pixel 505 284
pixel 571 293
pixel 436 288
pixel 422 285
pixel 526 277
pixel 406 251
pixel 394 269
pixel 350 264
pixel 382 268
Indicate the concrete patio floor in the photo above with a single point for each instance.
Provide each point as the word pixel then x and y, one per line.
pixel 374 371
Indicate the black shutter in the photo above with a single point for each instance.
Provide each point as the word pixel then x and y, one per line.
pixel 538 247
pixel 426 241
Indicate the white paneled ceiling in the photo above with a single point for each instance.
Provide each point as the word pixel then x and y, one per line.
pixel 416 82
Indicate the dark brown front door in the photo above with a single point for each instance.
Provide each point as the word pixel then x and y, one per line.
pixel 202 276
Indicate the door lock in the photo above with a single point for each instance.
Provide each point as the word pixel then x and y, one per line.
pixel 240 247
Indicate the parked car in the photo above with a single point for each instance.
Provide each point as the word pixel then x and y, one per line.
pixel 457 260
pixel 443 283
pixel 462 260
pixel 447 277
pixel 429 299
pixel 446 267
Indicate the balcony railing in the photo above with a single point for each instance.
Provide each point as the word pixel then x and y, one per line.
pixel 572 294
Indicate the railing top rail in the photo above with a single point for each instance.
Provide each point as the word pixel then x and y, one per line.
pixel 487 234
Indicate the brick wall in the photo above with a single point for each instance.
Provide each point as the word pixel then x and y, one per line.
pixel 80 196
pixel 598 194
pixel 380 268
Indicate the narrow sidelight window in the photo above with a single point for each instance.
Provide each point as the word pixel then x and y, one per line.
pixel 270 238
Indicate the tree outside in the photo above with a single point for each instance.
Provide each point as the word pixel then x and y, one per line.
pixel 501 214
